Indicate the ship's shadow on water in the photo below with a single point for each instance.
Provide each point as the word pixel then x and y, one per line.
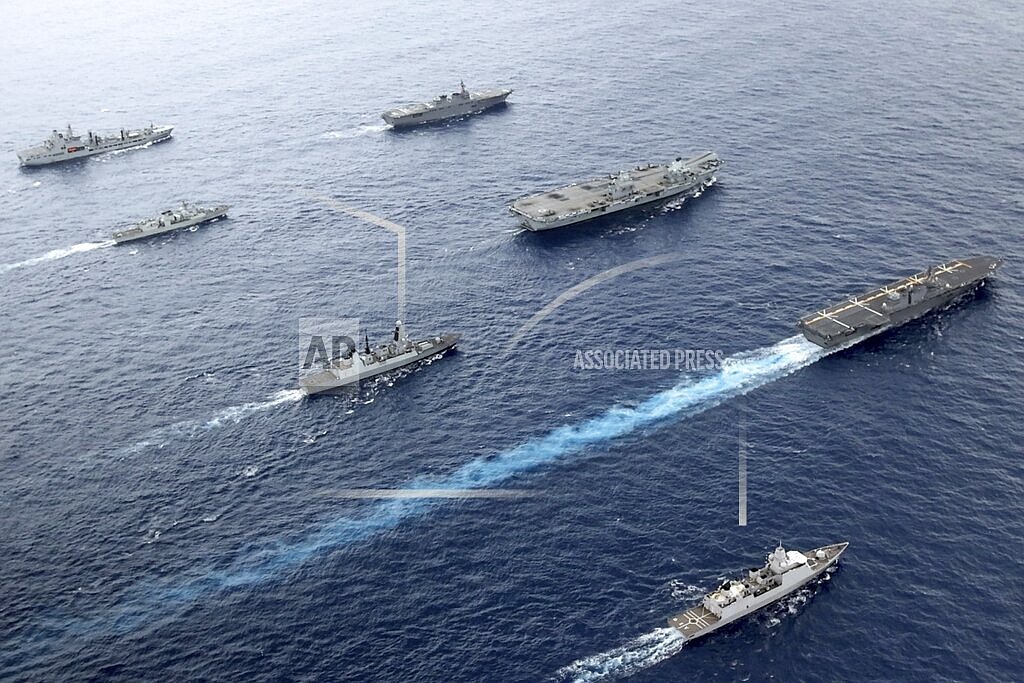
pixel 453 123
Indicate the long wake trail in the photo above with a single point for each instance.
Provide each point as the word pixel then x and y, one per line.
pixel 55 254
pixel 143 604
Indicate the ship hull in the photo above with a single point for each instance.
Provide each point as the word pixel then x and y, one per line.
pixel 327 381
pixel 456 111
pixel 33 160
pixel 535 225
pixel 129 236
pixel 883 309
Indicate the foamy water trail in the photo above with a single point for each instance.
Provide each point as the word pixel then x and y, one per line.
pixel 139 606
pixel 233 415
pixel 56 254
pixel 638 654
pixel 357 131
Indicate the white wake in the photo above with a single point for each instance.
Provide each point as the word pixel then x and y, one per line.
pixel 638 654
pixel 55 254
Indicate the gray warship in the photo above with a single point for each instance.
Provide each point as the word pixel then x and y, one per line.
pixel 617 192
pixel 65 145
pixel 445 107
pixel 877 310
pixel 784 572
pixel 185 216
pixel 356 365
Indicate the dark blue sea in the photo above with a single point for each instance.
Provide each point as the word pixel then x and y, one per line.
pixel 171 507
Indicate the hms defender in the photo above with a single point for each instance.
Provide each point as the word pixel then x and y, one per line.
pixel 444 107
pixel 886 307
pixel 617 192
pixel 355 365
pixel 783 572
pixel 65 145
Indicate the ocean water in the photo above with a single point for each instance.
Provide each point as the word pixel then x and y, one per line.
pixel 171 508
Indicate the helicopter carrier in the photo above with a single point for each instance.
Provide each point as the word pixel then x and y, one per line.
pixel 877 310
pixel 784 572
pixel 66 145
pixel 355 365
pixel 185 216
pixel 624 190
pixel 446 106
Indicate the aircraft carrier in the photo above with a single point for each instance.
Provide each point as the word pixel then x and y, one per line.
pixel 883 308
pixel 444 107
pixel 65 145
pixel 784 572
pixel 617 192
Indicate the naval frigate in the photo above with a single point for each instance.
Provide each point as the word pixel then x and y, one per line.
pixel 888 306
pixel 624 190
pixel 446 106
pixel 66 145
pixel 185 216
pixel 359 364
pixel 783 572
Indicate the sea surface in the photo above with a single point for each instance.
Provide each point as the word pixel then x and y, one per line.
pixel 172 508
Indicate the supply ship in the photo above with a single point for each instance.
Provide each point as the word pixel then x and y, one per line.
pixel 877 310
pixel 784 572
pixel 446 106
pixel 65 145
pixel 617 192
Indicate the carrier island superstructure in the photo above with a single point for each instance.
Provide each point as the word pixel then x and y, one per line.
pixel 877 310
pixel 783 573
pixel 642 185
pixel 66 145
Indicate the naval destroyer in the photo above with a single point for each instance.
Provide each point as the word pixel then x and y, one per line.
pixel 445 107
pixel 65 145
pixel 877 310
pixel 355 365
pixel 185 216
pixel 617 192
pixel 784 572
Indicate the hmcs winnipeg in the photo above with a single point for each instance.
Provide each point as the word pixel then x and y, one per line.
pixel 870 313
pixel 64 146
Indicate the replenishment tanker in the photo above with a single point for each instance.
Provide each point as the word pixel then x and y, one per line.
pixel 185 216
pixel 65 145
pixel 445 107
pixel 355 365
pixel 784 572
pixel 617 192
pixel 880 309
